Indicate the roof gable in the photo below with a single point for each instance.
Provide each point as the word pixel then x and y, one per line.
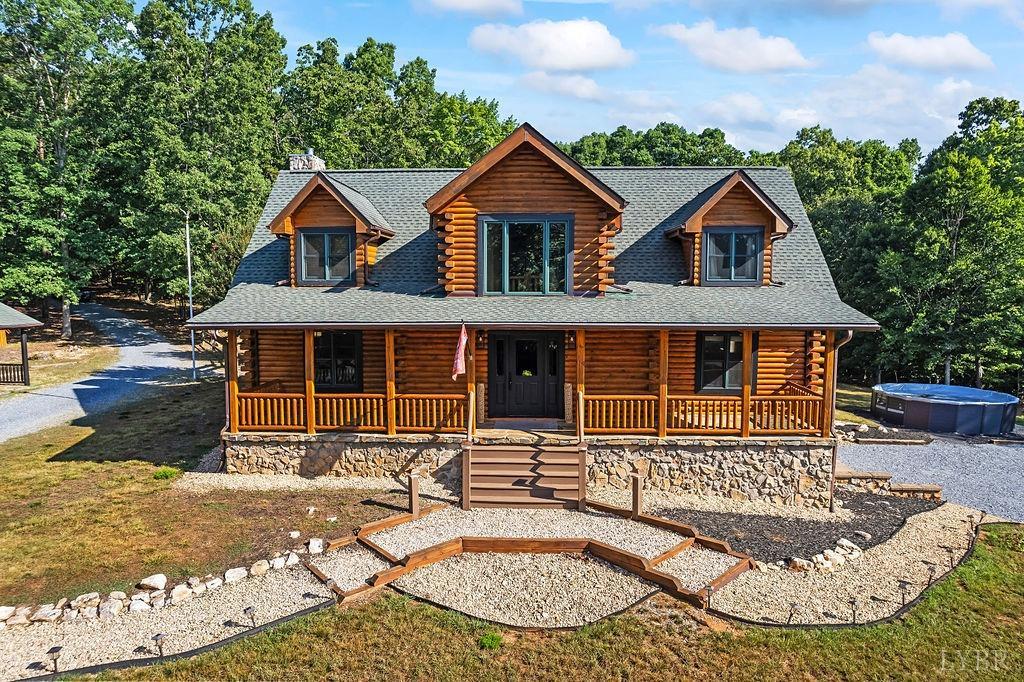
pixel 706 200
pixel 13 319
pixel 525 135
pixel 368 218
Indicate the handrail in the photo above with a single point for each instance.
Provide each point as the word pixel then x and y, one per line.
pixel 620 414
pixel 800 389
pixel 580 402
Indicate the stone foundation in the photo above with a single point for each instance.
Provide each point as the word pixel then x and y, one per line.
pixel 344 454
pixel 782 471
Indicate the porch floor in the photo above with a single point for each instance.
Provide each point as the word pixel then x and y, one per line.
pixel 526 431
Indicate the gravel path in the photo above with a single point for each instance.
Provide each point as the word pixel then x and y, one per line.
pixel 205 619
pixel 198 482
pixel 146 360
pixel 451 523
pixel 528 590
pixel 983 476
pixel 772 533
pixel 696 567
pixel 351 566
pixel 873 579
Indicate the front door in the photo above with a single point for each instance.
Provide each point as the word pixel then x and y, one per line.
pixel 525 377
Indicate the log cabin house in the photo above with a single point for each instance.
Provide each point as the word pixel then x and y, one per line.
pixel 678 320
pixel 12 320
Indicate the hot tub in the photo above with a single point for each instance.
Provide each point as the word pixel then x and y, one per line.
pixel 945 409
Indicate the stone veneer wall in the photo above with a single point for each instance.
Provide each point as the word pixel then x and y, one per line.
pixel 343 454
pixel 783 471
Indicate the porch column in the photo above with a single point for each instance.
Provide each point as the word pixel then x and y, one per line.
pixel 231 364
pixel 662 383
pixel 307 356
pixel 581 376
pixel 24 355
pixel 471 381
pixel 748 380
pixel 389 371
pixel 829 386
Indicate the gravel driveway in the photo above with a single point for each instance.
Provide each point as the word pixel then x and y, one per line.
pixel 147 359
pixel 987 477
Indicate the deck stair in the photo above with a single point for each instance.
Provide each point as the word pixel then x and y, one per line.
pixel 514 475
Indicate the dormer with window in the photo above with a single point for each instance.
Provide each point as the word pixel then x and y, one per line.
pixel 525 220
pixel 333 233
pixel 727 234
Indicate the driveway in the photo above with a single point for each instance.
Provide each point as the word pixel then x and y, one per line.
pixel 983 476
pixel 146 360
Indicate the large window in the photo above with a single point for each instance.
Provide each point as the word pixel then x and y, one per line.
pixel 721 362
pixel 338 361
pixel 526 255
pixel 326 256
pixel 733 255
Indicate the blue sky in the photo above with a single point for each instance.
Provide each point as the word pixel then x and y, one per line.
pixel 758 69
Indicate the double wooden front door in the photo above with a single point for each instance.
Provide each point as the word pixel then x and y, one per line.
pixel 526 373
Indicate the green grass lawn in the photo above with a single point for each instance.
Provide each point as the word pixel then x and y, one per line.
pixel 853 404
pixel 980 608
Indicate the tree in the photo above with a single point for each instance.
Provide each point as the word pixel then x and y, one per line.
pixel 49 51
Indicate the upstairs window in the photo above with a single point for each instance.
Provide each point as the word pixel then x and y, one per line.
pixel 338 361
pixel 526 255
pixel 721 362
pixel 326 256
pixel 732 255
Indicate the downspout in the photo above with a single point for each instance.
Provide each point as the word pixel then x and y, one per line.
pixel 847 335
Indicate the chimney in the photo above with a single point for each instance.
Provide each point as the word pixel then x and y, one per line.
pixel 307 161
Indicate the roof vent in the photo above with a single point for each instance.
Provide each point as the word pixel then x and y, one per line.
pixel 307 161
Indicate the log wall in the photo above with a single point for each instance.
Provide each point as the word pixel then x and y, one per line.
pixel 781 357
pixel 525 182
pixel 739 207
pixel 281 358
pixel 423 362
pixel 622 362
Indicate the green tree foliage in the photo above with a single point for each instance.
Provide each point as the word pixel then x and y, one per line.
pixel 666 144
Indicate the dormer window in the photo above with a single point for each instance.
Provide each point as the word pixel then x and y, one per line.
pixel 526 255
pixel 326 256
pixel 732 255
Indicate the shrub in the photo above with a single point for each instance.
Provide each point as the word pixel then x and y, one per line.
pixel 490 641
pixel 165 473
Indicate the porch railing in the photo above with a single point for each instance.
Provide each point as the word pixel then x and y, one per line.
pixel 620 413
pixel 696 414
pixel 444 412
pixel 12 373
pixel 786 414
pixel 271 412
pixel 350 411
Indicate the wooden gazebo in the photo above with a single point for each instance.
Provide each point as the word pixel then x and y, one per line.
pixel 12 320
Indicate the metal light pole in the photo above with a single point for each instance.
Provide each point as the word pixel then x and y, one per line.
pixel 188 266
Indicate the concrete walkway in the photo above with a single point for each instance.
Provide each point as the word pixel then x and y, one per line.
pixel 146 360
pixel 983 476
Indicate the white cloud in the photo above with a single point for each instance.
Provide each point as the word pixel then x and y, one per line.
pixel 951 51
pixel 571 85
pixel 741 109
pixel 489 8
pixel 743 50
pixel 573 45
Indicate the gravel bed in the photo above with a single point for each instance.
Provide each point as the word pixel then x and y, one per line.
pixel 350 566
pixel 528 590
pixel 980 475
pixel 197 482
pixel 696 567
pixel 873 579
pixel 205 619
pixel 451 523
pixel 772 533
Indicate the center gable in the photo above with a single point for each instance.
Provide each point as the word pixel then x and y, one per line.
pixel 526 180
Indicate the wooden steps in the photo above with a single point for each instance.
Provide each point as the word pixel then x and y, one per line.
pixel 523 475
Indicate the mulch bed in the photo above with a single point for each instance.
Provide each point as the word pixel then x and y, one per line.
pixel 775 538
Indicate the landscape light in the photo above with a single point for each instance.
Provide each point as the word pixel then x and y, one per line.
pixel 949 551
pixel 53 654
pixel 251 612
pixel 159 639
pixel 793 608
pixel 853 607
pixel 708 591
pixel 904 587
pixel 931 573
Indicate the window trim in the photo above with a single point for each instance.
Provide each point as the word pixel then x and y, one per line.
pixel 356 387
pixel 699 374
pixel 705 255
pixel 300 265
pixel 505 219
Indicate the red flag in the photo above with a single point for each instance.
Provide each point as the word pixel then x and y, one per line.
pixel 459 365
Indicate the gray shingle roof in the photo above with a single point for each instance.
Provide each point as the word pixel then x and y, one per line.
pixel 363 205
pixel 646 261
pixel 12 319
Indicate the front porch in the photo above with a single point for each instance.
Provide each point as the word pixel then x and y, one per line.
pixel 586 383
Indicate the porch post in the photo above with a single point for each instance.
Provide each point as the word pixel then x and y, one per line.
pixel 389 371
pixel 24 355
pixel 829 385
pixel 748 374
pixel 307 356
pixel 232 369
pixel 471 381
pixel 662 383
pixel 581 377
